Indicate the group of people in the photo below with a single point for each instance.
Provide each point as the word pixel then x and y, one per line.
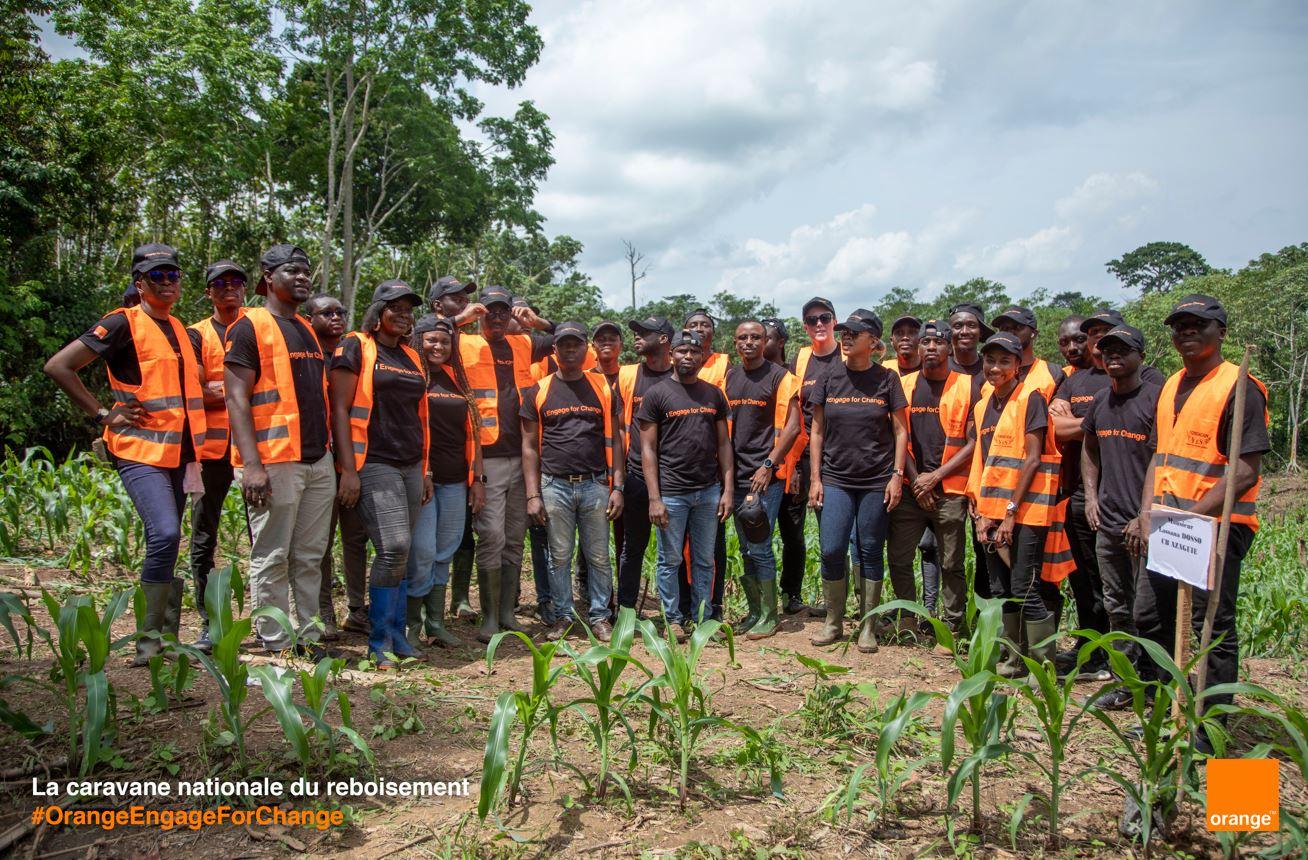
pixel 446 429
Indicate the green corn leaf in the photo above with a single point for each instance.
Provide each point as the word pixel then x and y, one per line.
pixel 277 690
pixel 97 708
pixel 495 761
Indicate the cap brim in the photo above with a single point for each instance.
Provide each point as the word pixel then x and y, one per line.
pixel 222 270
pixel 607 326
pixel 1001 347
pixel 1112 338
pixel 856 329
pixel 640 328
pixel 899 320
pixel 995 322
pixel 1203 315
pixel 151 265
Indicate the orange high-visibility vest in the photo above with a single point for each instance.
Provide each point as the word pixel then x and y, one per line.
pixel 714 371
pixel 627 375
pixel 469 451
pixel 273 404
pixel 479 367
pixel 548 364
pixel 600 386
pixel 212 350
pixel 787 390
pixel 168 401
pixel 1058 563
pixel 954 402
pixel 361 408
pixel 993 479
pixel 791 462
pixel 1187 463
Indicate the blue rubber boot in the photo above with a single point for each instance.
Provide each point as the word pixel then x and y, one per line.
pixel 381 606
pixel 398 618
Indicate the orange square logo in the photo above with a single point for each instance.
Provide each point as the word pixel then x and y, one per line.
pixel 1244 794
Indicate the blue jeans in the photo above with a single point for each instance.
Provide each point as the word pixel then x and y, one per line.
pixel 865 511
pixel 437 533
pixel 697 513
pixel 158 497
pixel 578 510
pixel 757 559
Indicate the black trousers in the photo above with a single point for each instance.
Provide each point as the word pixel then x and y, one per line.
pixel 635 538
pixel 1155 615
pixel 1087 585
pixel 790 523
pixel 1021 581
pixel 206 515
pixel 980 571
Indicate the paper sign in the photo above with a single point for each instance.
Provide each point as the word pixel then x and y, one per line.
pixel 1182 545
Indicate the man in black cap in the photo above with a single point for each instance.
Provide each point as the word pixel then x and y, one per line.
pixel 451 299
pixel 225 289
pixel 498 366
pixel 606 340
pixel 1021 323
pixel 702 323
pixel 810 362
pixel 652 344
pixel 571 431
pixel 967 331
pixel 690 476
pixel 1189 472
pixel 276 389
pixel 905 340
pixel 1119 430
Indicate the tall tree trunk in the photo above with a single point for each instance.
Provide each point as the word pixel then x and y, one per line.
pixel 347 195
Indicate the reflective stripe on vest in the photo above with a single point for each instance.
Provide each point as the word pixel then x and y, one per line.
pixel 169 402
pixel 1058 563
pixel 600 386
pixel 1187 463
pixel 955 399
pixel 274 408
pixel 212 350
pixel 361 407
pixel 479 368
pixel 992 482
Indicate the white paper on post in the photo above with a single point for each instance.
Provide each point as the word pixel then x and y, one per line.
pixel 1182 545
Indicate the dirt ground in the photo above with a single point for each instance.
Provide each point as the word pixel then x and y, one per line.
pixel 451 694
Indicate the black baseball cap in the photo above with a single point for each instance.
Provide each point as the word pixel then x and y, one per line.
pixel 278 255
pixel 450 284
pixel 817 302
pixel 1103 316
pixel 937 328
pixel 496 296
pixel 753 519
pixel 685 337
pixel 221 267
pixel 607 325
pixel 974 310
pixel 857 324
pixel 906 318
pixel 153 256
pixel 778 324
pixel 700 312
pixel 656 325
pixel 431 322
pixel 869 317
pixel 570 329
pixel 1005 341
pixel 1198 305
pixel 1018 314
pixel 1129 336
pixel 389 291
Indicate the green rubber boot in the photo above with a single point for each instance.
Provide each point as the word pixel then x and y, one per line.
pixel 1036 633
pixel 435 624
pixel 869 596
pixel 750 585
pixel 1010 664
pixel 510 582
pixel 835 592
pixel 413 620
pixel 460 576
pixel 158 595
pixel 767 611
pixel 488 595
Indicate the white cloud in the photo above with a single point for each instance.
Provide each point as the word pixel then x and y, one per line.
pixel 1046 250
pixel 1103 193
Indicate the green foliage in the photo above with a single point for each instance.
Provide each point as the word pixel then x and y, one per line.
pixel 1158 266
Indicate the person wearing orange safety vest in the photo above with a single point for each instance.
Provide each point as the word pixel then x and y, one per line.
pixel 156 427
pixel 497 365
pixel 764 401
pixel 380 434
pixel 275 382
pixel 225 288
pixel 905 343
pixel 606 345
pixel 572 464
pixel 1013 488
pixel 1194 426
pixel 941 439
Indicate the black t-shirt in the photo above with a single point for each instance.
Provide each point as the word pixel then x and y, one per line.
pixel 817 365
pixel 858 446
pixel 509 443
pixel 307 371
pixel 645 380
pixel 1122 426
pixel 1037 419
pixel 925 435
pixel 111 340
pixel 572 434
pixel 394 427
pixel 1079 390
pixel 687 417
pixel 447 416
pixel 752 398
pixel 1254 439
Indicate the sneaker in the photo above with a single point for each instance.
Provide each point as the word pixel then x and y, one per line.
pixel 204 644
pixel 684 630
pixel 794 605
pixel 558 630
pixel 329 631
pixel 1095 670
pixel 603 630
pixel 357 622
pixel 1065 661
pixel 1119 699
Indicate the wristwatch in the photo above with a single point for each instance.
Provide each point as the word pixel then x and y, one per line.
pixel 100 415
pixel 899 472
pixel 768 464
pixel 481 479
pixel 1011 507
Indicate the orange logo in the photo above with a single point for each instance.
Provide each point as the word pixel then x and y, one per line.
pixel 1244 794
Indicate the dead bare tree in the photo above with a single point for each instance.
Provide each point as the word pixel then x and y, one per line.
pixel 639 268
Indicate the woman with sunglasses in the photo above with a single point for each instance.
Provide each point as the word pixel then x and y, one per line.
pixel 379 430
pixel 155 427
pixel 857 452
pixel 454 462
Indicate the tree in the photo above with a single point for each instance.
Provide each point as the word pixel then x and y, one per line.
pixel 1158 266
pixel 639 269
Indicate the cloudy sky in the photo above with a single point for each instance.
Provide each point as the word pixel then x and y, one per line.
pixel 785 148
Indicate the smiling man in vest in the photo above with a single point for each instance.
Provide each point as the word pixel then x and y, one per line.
pixel 225 288
pixel 1196 410
pixel 276 387
pixel 572 462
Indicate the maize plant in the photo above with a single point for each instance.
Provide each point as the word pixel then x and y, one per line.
pixel 307 740
pixel 900 716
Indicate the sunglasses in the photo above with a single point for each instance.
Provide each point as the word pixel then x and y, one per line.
pixel 331 312
pixel 819 319
pixel 160 276
pixel 499 312
pixel 227 283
